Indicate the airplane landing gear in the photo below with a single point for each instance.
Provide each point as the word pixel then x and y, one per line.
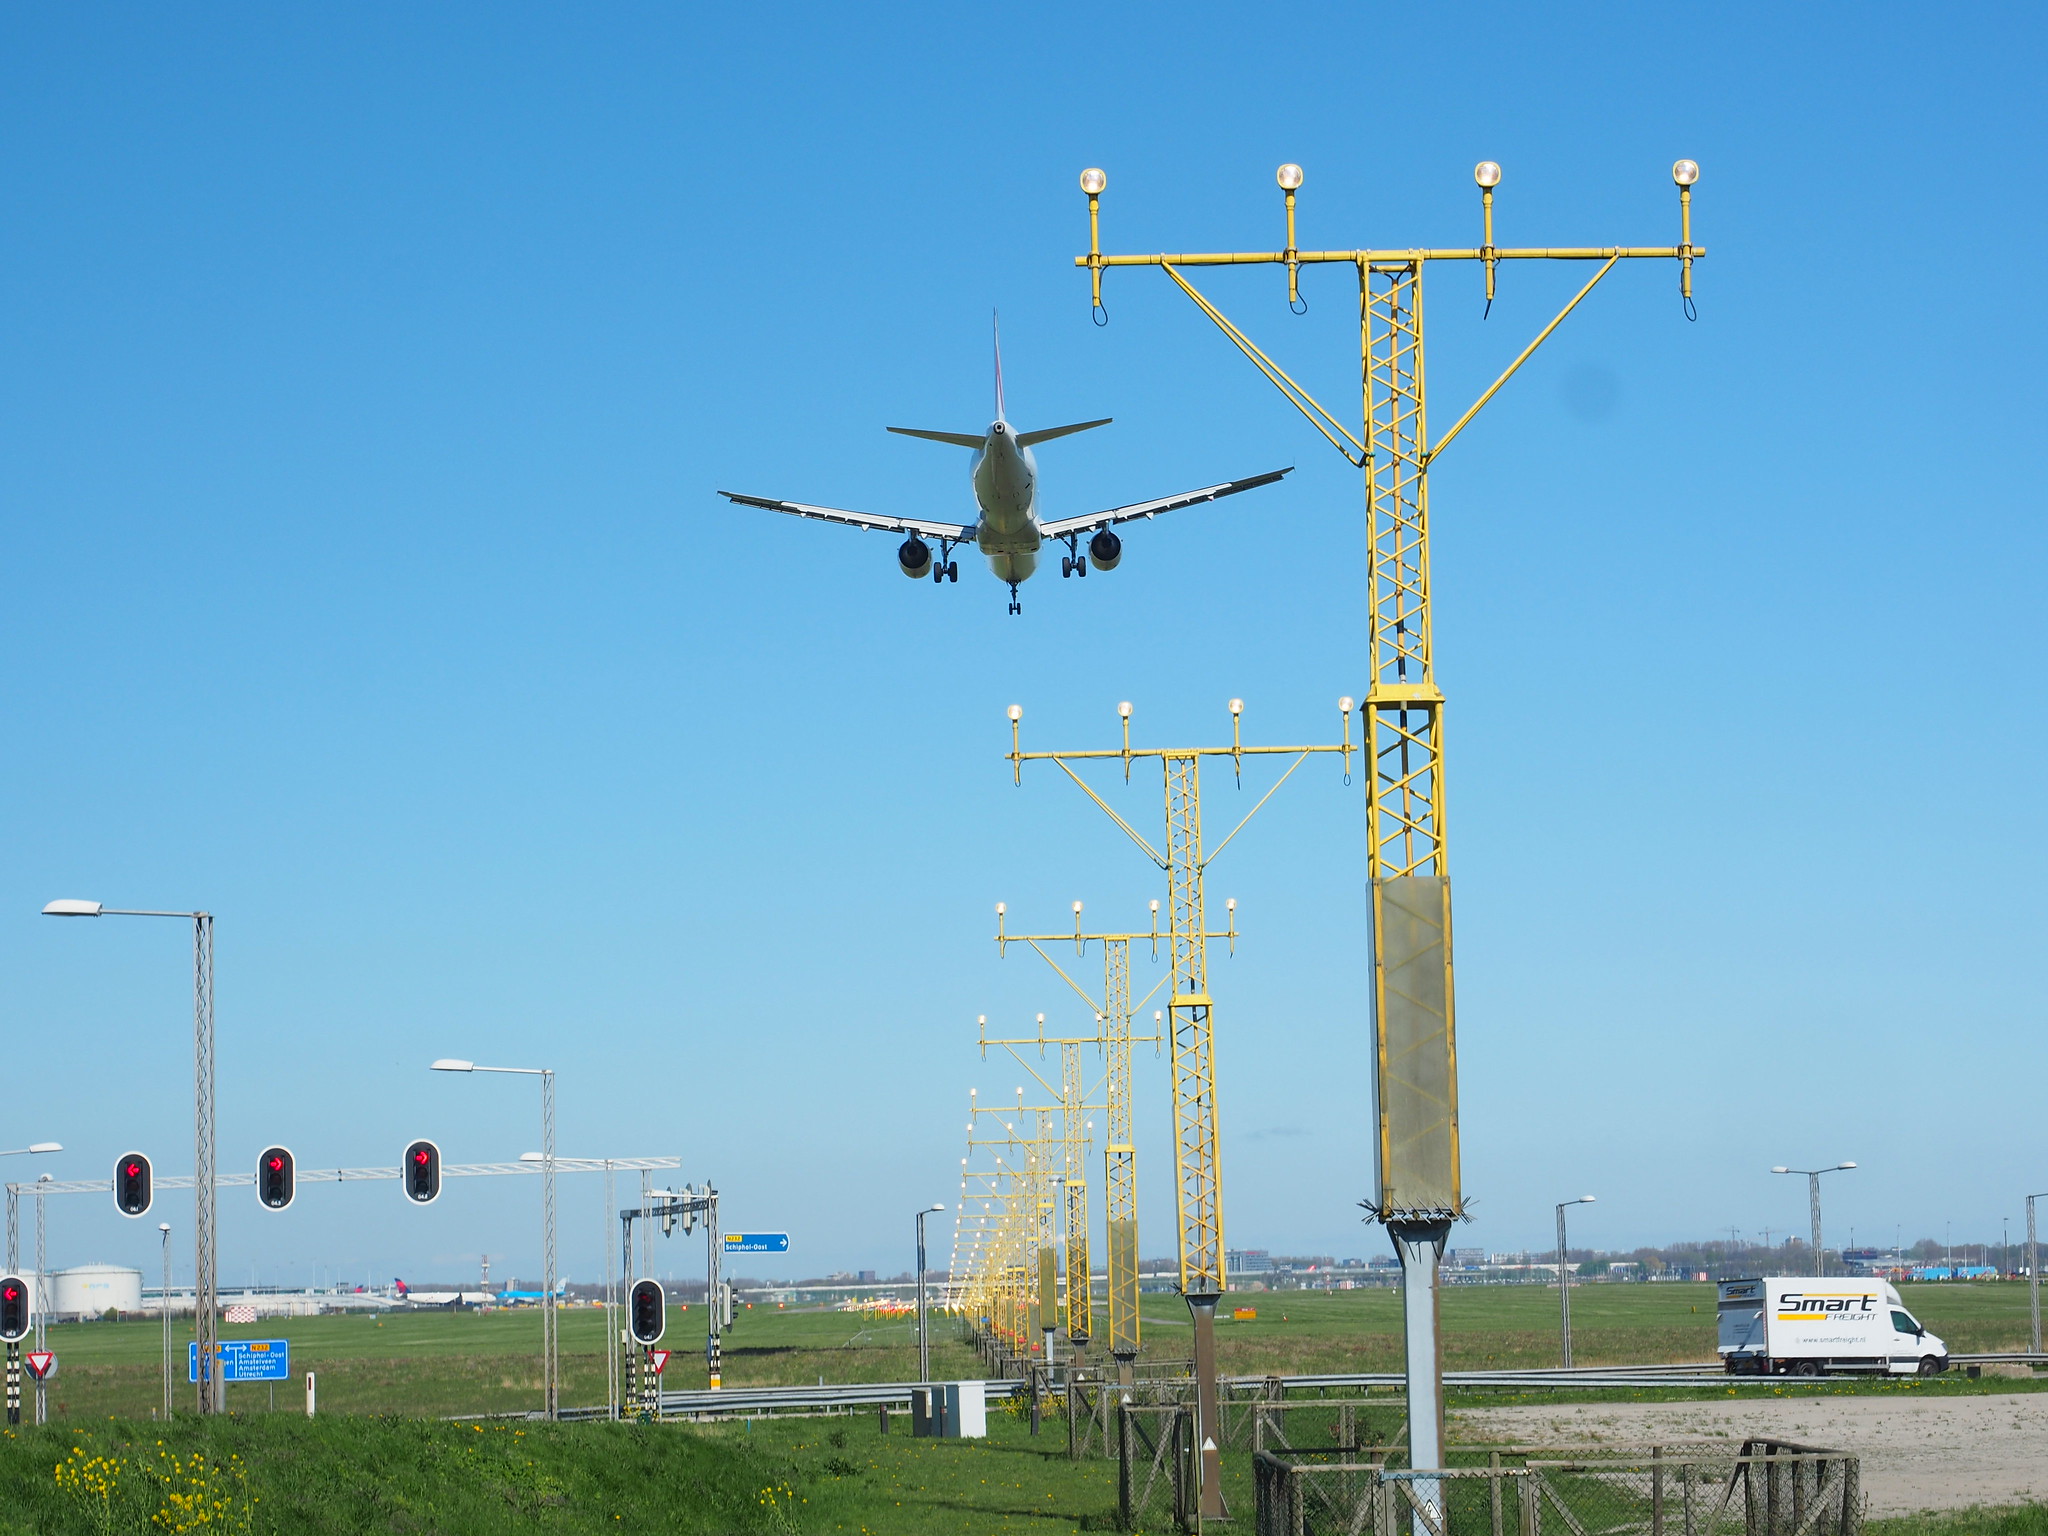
pixel 1015 606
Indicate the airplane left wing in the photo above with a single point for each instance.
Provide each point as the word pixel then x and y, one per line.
pixel 1061 527
pixel 929 527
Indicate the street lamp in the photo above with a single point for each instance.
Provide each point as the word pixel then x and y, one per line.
pixel 549 1365
pixel 164 1306
pixel 32 1148
pixel 924 1357
pixel 205 1290
pixel 1820 1263
pixel 2033 1277
pixel 1564 1277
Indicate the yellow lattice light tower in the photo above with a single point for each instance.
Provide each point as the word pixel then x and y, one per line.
pixel 1415 1059
pixel 1198 1186
pixel 1113 1012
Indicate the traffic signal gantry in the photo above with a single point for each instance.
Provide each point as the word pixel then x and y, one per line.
pixel 1415 1060
pixel 1185 862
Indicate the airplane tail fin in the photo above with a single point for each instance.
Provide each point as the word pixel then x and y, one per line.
pixel 1047 434
pixel 999 366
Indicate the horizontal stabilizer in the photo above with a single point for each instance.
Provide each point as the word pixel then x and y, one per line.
pixel 957 439
pixel 1033 439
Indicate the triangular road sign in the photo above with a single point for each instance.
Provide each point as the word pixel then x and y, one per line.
pixel 40 1362
pixel 660 1357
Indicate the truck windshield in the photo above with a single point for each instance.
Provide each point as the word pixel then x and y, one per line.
pixel 1903 1321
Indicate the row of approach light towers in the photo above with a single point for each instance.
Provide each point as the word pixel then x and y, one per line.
pixel 1419 1191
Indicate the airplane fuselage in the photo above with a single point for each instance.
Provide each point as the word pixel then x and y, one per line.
pixel 1005 478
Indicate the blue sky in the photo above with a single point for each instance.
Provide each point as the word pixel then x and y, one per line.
pixel 368 381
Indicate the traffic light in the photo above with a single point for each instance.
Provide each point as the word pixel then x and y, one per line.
pixel 134 1188
pixel 14 1310
pixel 276 1178
pixel 421 1172
pixel 724 1304
pixel 647 1311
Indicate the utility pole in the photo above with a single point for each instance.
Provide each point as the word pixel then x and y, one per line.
pixel 1415 1060
pixel 1564 1279
pixel 1196 1136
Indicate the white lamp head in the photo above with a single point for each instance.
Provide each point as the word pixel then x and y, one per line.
pixel 1838 1165
pixel 452 1064
pixel 533 1157
pixel 1289 176
pixel 46 1146
pixel 1124 709
pixel 1685 172
pixel 1093 181
pixel 1344 705
pixel 1781 1168
pixel 1237 706
pixel 1016 712
pixel 71 908
pixel 1487 173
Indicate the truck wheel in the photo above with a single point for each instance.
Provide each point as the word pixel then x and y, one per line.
pixel 1929 1366
pixel 1806 1368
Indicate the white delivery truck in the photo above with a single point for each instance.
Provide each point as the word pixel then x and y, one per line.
pixel 1791 1326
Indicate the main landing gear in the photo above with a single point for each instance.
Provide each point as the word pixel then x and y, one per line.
pixel 948 570
pixel 1076 566
pixel 1015 606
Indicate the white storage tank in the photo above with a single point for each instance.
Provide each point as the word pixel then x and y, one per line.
pixel 87 1290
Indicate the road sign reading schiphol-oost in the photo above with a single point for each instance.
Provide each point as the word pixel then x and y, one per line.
pixel 246 1360
pixel 757 1242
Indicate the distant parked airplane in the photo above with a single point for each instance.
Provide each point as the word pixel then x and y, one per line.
pixel 1007 531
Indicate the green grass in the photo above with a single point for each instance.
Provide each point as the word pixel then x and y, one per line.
pixel 2008 1520
pixel 439 1363
pixel 364 1474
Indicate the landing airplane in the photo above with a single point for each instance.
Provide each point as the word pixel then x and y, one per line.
pixel 1007 531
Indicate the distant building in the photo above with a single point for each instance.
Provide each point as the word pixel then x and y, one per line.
pixel 1247 1261
pixel 1467 1258
pixel 867 1277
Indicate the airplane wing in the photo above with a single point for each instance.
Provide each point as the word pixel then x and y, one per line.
pixel 929 527
pixel 1061 527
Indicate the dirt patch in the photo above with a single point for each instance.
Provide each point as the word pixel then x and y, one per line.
pixel 1918 1454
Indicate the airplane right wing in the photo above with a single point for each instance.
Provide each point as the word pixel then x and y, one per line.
pixel 1064 526
pixel 929 527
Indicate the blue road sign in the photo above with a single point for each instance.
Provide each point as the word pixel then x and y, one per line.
pixel 757 1242
pixel 246 1360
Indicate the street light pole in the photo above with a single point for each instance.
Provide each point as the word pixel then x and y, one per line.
pixel 549 1347
pixel 205 1289
pixel 1820 1263
pixel 1564 1278
pixel 2033 1278
pixel 924 1357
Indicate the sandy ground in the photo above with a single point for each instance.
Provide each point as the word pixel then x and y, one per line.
pixel 1930 1453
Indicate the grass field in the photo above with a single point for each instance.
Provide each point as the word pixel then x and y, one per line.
pixel 438 1363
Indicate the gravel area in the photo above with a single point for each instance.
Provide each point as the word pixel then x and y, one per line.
pixel 1917 1453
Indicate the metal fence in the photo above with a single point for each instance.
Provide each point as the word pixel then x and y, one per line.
pixel 1756 1488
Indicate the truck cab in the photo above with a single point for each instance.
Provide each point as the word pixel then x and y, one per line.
pixel 1820 1326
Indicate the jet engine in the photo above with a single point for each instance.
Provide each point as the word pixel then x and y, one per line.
pixel 914 557
pixel 1104 550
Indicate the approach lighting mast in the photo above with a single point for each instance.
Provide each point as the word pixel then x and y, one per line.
pixel 1197 1159
pixel 1415 1058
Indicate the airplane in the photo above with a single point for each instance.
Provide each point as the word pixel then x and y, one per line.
pixel 1007 529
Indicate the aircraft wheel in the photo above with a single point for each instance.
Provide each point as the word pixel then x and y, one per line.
pixel 953 571
pixel 1080 565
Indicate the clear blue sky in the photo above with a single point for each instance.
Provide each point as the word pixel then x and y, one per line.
pixel 368 379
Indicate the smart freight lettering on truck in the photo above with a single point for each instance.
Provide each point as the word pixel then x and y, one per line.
pixel 1815 1327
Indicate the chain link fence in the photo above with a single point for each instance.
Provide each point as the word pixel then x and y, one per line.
pixel 1750 1488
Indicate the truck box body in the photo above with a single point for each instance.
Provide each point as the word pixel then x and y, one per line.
pixel 1813 1327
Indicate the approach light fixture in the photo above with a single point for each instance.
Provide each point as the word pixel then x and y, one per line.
pixel 1016 713
pixel 1124 709
pixel 1487 174
pixel 1685 172
pixel 1289 176
pixel 1093 181
pixel 1344 705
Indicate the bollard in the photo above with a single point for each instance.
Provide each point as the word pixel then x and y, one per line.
pixel 311 1394
pixel 884 1411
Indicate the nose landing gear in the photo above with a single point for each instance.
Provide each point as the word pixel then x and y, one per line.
pixel 1015 606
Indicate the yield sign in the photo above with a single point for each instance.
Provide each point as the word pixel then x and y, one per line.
pixel 41 1363
pixel 660 1357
